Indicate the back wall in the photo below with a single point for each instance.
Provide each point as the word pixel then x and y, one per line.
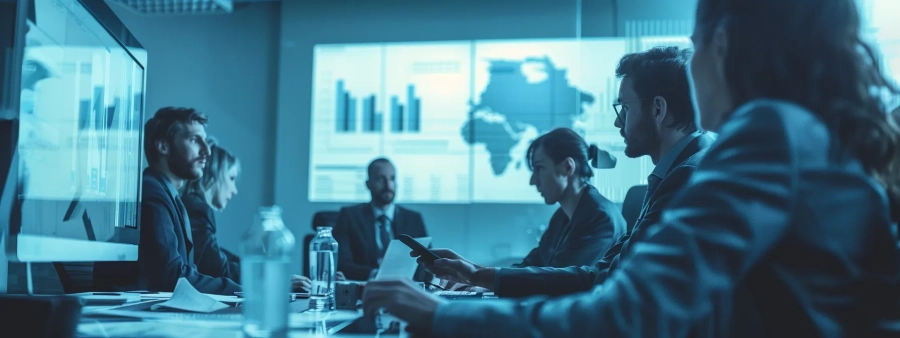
pixel 486 233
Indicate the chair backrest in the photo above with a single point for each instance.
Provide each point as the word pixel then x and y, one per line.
pixel 75 277
pixel 324 219
pixel 306 241
pixel 320 219
pixel 631 206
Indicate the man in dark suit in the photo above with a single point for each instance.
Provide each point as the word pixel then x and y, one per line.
pixel 176 150
pixel 363 231
pixel 655 116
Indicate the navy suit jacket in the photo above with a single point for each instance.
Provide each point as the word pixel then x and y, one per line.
pixel 354 230
pixel 780 232
pixel 594 227
pixel 166 251
pixel 584 276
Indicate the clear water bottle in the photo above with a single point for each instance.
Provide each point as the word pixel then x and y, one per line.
pixel 266 250
pixel 323 251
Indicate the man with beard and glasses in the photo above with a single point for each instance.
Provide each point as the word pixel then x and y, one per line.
pixel 176 150
pixel 656 118
pixel 363 231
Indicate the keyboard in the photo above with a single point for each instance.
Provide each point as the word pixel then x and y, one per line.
pixel 230 317
pixel 459 294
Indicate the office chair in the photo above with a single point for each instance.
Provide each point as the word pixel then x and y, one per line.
pixel 320 219
pixel 75 277
pixel 631 206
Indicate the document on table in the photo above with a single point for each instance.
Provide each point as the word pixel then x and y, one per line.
pixel 187 298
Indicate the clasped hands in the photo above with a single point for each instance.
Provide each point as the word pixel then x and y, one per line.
pixel 407 301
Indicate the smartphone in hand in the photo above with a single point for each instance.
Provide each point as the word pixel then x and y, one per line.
pixel 419 249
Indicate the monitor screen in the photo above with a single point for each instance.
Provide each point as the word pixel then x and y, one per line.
pixel 79 134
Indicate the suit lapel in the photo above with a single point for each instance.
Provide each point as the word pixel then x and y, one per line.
pixel 367 229
pixel 696 145
pixel 185 228
pixel 181 212
pixel 583 204
pixel 397 222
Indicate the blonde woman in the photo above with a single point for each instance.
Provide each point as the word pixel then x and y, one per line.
pixel 210 193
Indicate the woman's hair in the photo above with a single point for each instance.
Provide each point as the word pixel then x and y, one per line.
pixel 562 143
pixel 811 52
pixel 218 163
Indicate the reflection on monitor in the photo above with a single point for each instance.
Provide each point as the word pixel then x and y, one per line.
pixel 79 140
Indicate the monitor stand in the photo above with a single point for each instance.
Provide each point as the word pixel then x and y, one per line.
pixel 4 262
pixel 4 268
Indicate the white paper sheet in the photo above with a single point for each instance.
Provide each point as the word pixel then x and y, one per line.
pixel 307 319
pixel 187 298
pixel 397 263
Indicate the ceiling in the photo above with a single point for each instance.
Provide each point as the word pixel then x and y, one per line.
pixel 185 6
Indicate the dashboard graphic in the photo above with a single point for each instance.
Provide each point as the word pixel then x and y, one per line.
pixel 457 117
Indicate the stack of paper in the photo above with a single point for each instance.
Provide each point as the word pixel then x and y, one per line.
pixel 187 298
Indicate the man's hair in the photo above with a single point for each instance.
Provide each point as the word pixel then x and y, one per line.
pixel 662 71
pixel 370 170
pixel 164 125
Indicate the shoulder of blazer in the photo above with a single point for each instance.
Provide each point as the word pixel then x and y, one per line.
pixel 194 203
pixel 410 218
pixel 595 202
pixel 689 156
pixel 197 207
pixel 153 186
pixel 407 212
pixel 356 209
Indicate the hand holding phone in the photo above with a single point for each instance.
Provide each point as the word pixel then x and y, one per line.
pixel 419 249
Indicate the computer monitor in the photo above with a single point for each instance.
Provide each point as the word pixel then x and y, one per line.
pixel 71 115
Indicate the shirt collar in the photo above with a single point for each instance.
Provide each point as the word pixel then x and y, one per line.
pixel 668 159
pixel 387 211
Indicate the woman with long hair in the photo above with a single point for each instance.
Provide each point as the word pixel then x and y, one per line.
pixel 202 198
pixel 205 196
pixel 785 228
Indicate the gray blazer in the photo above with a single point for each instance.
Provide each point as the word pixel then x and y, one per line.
pixel 776 234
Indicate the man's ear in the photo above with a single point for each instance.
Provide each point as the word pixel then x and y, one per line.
pixel 162 147
pixel 660 109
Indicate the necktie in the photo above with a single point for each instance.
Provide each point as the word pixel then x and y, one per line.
pixel 652 183
pixel 383 233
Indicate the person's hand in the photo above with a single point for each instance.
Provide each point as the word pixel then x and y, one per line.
pixel 403 299
pixel 465 287
pixel 454 268
pixel 300 283
pixel 339 276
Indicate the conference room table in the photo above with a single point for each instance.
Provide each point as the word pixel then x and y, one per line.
pixel 340 323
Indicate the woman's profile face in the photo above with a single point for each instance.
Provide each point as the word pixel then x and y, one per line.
pixel 550 178
pixel 225 189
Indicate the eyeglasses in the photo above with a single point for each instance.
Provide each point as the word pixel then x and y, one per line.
pixel 618 108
